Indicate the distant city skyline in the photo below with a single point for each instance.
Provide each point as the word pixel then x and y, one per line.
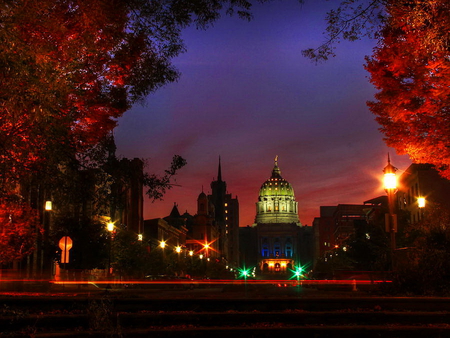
pixel 247 95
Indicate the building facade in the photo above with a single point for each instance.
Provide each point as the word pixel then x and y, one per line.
pixel 422 181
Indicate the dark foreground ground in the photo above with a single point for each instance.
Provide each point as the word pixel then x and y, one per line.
pixel 220 311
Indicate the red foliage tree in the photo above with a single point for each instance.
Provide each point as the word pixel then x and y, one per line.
pixel 19 226
pixel 411 70
pixel 70 68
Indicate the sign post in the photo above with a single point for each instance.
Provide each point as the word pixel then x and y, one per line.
pixel 65 244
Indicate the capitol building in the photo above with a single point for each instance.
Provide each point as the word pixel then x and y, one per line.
pixel 277 226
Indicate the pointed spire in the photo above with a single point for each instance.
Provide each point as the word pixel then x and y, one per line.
pixel 219 175
pixel 175 212
pixel 389 168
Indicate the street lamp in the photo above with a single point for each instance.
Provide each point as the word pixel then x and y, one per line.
pixel 206 248
pixel 110 228
pixel 421 204
pixel 390 186
pixel 46 262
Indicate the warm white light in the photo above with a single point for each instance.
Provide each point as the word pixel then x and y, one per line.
pixel 421 202
pixel 390 181
pixel 110 226
pixel 178 249
pixel 48 205
pixel 201 256
pixel 162 244
pixel 191 253
pixel 140 237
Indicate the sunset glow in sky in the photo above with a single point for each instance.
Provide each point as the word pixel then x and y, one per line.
pixel 246 94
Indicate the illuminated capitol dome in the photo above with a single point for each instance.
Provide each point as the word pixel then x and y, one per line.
pixel 277 227
pixel 276 202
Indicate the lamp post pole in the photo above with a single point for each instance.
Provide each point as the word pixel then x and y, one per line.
pixel 110 227
pixel 390 186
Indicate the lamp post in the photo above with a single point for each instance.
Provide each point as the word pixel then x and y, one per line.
pixel 110 228
pixel 46 256
pixel 390 186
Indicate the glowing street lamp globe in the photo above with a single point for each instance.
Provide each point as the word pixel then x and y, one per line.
pixel 110 226
pixel 421 202
pixel 390 178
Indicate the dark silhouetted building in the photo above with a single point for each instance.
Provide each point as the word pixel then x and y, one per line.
pixel 422 180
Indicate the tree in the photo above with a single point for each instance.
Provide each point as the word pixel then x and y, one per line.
pixel 351 20
pixel 411 70
pixel 130 258
pixel 409 67
pixel 425 269
pixel 70 68
pixel 19 227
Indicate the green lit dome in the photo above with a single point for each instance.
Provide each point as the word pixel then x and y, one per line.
pixel 276 202
pixel 276 185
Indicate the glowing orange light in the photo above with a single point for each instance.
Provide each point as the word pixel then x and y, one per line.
pixel 390 181
pixel 110 226
pixel 421 202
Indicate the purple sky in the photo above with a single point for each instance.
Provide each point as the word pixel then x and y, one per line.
pixel 246 94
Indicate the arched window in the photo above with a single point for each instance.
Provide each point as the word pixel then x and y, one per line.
pixel 265 248
pixel 288 248
pixel 277 248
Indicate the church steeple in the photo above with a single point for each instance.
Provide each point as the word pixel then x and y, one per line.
pixel 219 174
